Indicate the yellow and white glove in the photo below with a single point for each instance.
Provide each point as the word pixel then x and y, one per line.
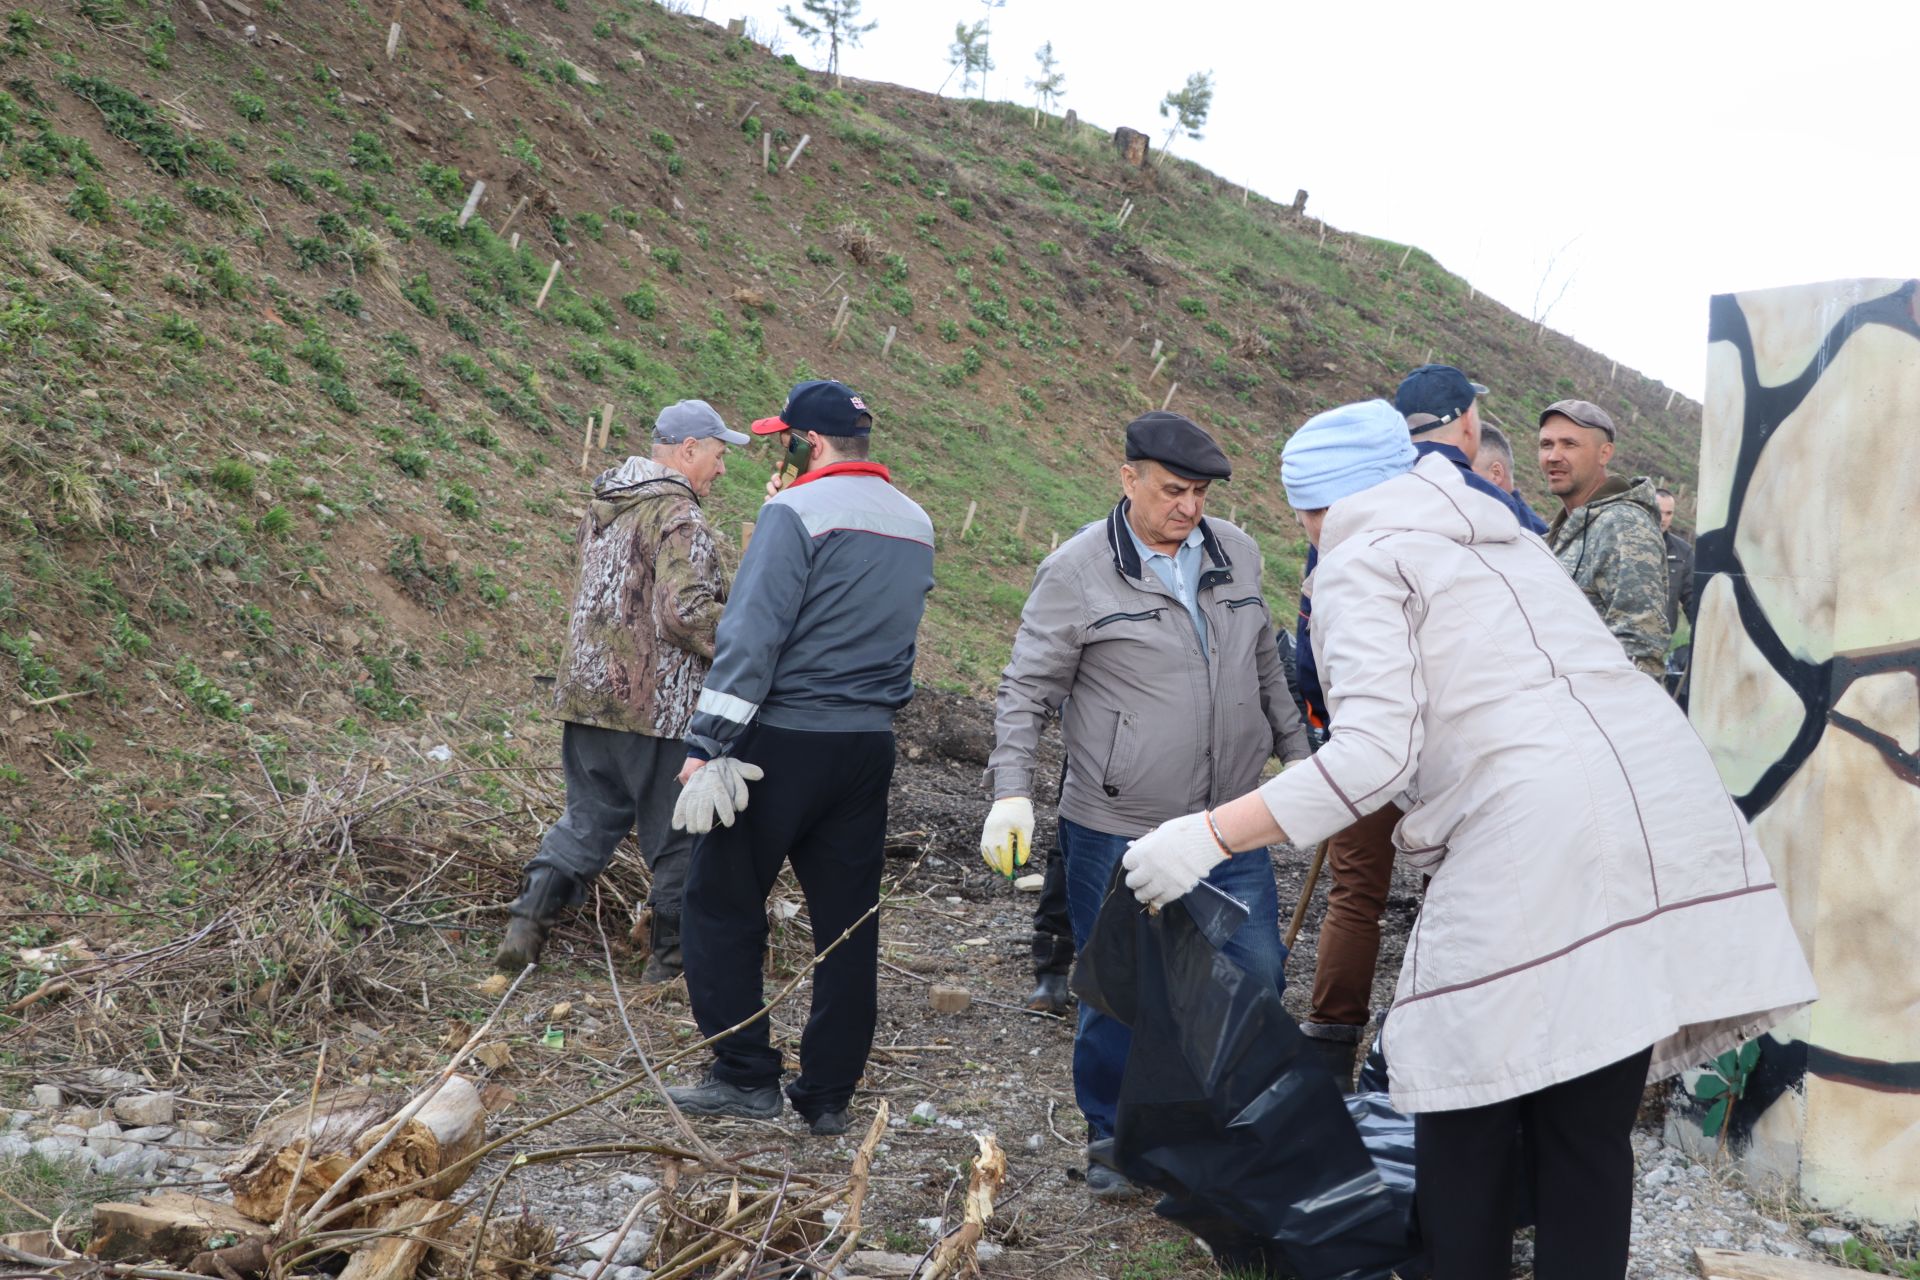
pixel 1164 864
pixel 1006 841
pixel 715 793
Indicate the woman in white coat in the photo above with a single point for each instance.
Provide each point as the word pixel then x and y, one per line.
pixel 1599 914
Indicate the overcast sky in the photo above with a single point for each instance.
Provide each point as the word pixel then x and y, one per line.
pixel 1655 153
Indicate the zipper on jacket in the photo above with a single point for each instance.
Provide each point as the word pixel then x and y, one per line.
pixel 1151 615
pixel 1244 601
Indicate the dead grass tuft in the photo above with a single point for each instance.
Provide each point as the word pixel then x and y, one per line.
pixel 859 242
pixel 25 227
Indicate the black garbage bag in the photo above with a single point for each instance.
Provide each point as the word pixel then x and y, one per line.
pixel 1223 1110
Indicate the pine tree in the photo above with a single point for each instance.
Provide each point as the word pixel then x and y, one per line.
pixel 1188 108
pixel 1048 84
pixel 829 22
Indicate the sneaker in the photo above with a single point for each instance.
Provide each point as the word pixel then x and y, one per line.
pixel 1049 993
pixel 829 1123
pixel 1105 1184
pixel 717 1098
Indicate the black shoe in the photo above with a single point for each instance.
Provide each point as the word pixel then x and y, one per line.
pixel 829 1123
pixel 663 957
pixel 717 1098
pixel 1105 1184
pixel 1335 1048
pixel 1049 993
pixel 543 894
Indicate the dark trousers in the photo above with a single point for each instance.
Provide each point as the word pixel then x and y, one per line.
pixel 823 807
pixel 1052 926
pixel 618 782
pixel 1575 1142
pixel 1360 871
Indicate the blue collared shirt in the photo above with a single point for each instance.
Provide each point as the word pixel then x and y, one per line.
pixel 1179 573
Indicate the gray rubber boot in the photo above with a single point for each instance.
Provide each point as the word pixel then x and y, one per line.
pixel 663 959
pixel 530 918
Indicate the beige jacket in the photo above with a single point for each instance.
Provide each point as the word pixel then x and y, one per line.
pixel 1594 889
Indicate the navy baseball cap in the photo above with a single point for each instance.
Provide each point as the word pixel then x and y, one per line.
pixel 1434 395
pixel 831 408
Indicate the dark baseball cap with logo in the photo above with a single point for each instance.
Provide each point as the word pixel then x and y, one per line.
pixel 1583 412
pixel 831 408
pixel 1434 395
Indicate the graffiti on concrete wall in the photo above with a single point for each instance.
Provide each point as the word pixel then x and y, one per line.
pixel 1806 686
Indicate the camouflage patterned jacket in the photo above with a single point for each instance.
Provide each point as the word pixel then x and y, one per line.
pixel 653 578
pixel 1614 549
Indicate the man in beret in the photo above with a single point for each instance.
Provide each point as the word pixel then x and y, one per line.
pixel 1149 635
pixel 1607 533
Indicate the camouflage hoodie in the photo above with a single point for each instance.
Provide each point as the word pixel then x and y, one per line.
pixel 653 578
pixel 1614 549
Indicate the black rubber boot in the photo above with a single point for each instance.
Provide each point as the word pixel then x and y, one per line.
pixel 531 916
pixel 1052 961
pixel 1335 1048
pixel 663 960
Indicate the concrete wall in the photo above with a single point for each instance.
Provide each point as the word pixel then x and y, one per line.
pixel 1806 686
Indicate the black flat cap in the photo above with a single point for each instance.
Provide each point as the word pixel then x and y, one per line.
pixel 1177 444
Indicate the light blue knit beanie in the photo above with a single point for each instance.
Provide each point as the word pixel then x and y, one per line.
pixel 1343 451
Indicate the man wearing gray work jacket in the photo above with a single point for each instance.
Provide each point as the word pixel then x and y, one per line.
pixel 1148 633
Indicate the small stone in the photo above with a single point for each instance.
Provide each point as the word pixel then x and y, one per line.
pixel 1035 1142
pixel 205 1128
pixel 987 1251
pixel 141 1109
pixel 152 1133
pixel 945 997
pixel 631 1249
pixel 638 1183
pixel 1683 1203
pixel 19 1119
pixel 1778 1228
pixel 631 1273
pixel 85 1117
pixel 47 1097
pixel 932 1226
pixel 105 1138
pixel 1658 1177
pixel 114 1078
pixel 14 1146
pixel 1829 1237
pixel 441 754
pixel 926 1111
pixel 1721 1239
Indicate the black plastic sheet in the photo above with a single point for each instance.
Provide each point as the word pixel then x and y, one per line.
pixel 1223 1108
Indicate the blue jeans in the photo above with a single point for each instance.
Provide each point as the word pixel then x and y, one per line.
pixel 1100 1044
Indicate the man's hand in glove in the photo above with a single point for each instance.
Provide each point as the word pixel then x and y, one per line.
pixel 1006 841
pixel 1164 864
pixel 714 791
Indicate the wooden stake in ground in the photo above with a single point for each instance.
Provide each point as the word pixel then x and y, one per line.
pixel 518 205
pixel 968 522
pixel 606 422
pixel 888 344
pixel 839 325
pixel 798 147
pixel 766 151
pixel 473 200
pixel 1054 545
pixel 1155 353
pixel 586 445
pixel 513 242
pixel 1020 525
pixel 1158 365
pixel 1670 396
pixel 553 273
pixel 393 39
pixel 1169 400
pixel 1403 259
pixel 747 115
pixel 1122 348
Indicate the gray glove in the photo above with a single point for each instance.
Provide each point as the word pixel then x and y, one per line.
pixel 716 792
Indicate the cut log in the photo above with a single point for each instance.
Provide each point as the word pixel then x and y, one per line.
pixel 416 1224
pixel 264 1169
pixel 448 1129
pixel 168 1226
pixel 1725 1264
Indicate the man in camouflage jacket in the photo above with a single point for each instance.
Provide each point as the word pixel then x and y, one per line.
pixel 653 578
pixel 1607 533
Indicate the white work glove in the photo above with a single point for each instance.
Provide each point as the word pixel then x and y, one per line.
pixel 1164 864
pixel 1006 841
pixel 716 791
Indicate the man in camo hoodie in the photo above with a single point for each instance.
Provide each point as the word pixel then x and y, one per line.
pixel 653 578
pixel 1607 533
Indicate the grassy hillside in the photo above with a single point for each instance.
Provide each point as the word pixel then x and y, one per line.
pixel 292 460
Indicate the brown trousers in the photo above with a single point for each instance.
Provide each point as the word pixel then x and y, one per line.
pixel 1360 863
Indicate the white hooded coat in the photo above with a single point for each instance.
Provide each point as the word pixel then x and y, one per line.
pixel 1594 891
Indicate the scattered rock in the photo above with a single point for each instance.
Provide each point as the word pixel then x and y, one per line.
pixel 105 1138
pixel 631 1249
pixel 442 754
pixel 926 1111
pixel 631 1273
pixel 153 1134
pixel 637 1183
pixel 14 1146
pixel 947 998
pixel 114 1078
pixel 47 1097
pixel 1826 1237
pixel 140 1109
pixel 1658 1177
pixel 932 1226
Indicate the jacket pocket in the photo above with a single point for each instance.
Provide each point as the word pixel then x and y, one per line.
pixel 1246 602
pixel 1147 615
pixel 1121 754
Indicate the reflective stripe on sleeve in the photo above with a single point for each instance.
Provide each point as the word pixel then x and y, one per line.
pixel 727 707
